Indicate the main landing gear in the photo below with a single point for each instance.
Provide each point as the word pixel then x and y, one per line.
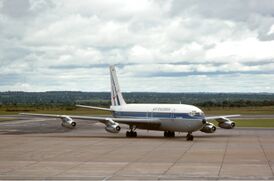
pixel 132 133
pixel 169 134
pixel 189 137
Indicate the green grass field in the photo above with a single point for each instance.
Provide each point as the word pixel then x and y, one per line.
pixel 263 123
pixel 239 110
pixel 53 110
pixel 7 119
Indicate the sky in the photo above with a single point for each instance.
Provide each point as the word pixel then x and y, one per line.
pixel 156 45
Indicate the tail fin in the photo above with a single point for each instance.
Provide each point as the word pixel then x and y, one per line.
pixel 116 95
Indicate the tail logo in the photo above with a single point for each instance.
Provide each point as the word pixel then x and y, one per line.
pixel 116 95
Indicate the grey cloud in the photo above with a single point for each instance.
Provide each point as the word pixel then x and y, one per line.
pixel 75 66
pixel 228 10
pixel 197 63
pixel 10 79
pixel 13 55
pixel 194 70
pixel 257 15
pixel 15 8
pixel 24 8
pixel 259 62
pixel 194 73
pixel 70 43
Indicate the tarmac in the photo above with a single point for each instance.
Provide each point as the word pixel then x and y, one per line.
pixel 40 149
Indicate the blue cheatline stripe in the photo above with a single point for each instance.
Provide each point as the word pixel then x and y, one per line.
pixel 157 115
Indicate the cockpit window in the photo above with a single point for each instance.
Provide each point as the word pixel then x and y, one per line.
pixel 192 113
pixel 195 113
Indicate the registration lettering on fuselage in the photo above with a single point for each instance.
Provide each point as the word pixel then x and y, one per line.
pixel 161 109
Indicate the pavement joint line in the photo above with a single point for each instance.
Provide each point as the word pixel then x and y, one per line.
pixel 112 150
pixel 37 162
pixel 177 160
pixel 136 160
pixel 223 159
pixel 172 177
pixel 12 170
pixel 20 122
pixel 36 178
pixel 83 162
pixel 30 143
pixel 265 155
pixel 181 177
pixel 106 178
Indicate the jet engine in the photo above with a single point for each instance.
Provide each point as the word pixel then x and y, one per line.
pixel 112 126
pixel 115 128
pixel 227 125
pixel 208 128
pixel 67 122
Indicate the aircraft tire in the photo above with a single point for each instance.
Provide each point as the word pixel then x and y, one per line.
pixel 169 134
pixel 189 137
pixel 131 134
pixel 127 134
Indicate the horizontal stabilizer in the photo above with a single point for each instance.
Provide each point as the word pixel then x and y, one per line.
pixel 93 107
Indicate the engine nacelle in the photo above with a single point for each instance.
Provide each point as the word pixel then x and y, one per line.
pixel 208 128
pixel 67 122
pixel 227 124
pixel 114 128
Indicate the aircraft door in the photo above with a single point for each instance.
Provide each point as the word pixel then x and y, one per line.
pixel 149 114
pixel 172 116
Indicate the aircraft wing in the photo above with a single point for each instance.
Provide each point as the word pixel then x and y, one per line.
pixel 128 121
pixel 221 118
pixel 105 120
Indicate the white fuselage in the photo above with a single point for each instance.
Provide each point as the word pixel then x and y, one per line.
pixel 173 117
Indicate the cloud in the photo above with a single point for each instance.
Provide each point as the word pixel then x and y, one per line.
pixel 15 8
pixel 173 45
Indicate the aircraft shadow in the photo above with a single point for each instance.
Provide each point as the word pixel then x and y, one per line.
pixel 33 131
pixel 148 137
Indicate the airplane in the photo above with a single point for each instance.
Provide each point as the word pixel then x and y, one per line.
pixel 169 118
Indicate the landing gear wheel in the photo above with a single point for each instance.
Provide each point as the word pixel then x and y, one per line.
pixel 131 134
pixel 169 134
pixel 189 137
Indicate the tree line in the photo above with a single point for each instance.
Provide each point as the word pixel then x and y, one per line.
pixel 70 98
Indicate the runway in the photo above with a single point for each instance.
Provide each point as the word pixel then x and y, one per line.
pixel 41 149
